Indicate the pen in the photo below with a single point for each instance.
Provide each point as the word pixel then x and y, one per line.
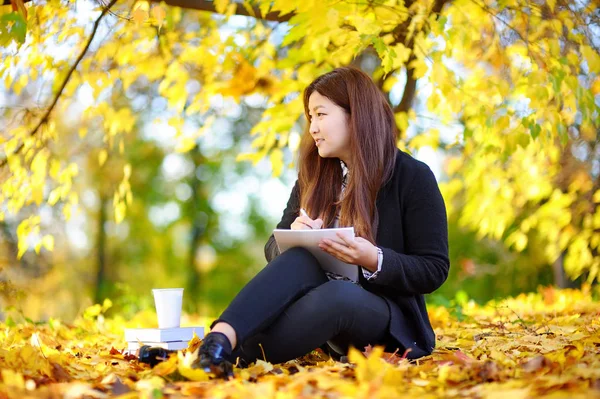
pixel 303 212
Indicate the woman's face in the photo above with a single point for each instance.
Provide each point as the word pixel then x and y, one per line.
pixel 329 128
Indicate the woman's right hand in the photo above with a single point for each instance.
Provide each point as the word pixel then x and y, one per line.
pixel 305 223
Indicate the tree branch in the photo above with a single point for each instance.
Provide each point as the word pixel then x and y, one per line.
pixel 411 83
pixel 204 5
pixel 58 94
pixel 410 88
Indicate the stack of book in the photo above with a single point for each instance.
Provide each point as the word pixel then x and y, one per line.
pixel 167 338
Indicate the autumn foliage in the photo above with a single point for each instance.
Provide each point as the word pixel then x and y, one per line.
pixel 535 345
pixel 507 91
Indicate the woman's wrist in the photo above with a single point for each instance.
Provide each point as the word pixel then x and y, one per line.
pixel 372 263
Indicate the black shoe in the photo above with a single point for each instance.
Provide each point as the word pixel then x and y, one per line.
pixel 153 355
pixel 213 354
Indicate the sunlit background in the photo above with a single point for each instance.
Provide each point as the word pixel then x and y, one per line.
pixel 199 219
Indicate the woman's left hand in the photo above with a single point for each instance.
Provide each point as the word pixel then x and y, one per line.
pixel 356 251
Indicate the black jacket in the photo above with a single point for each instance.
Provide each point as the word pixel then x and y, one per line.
pixel 413 234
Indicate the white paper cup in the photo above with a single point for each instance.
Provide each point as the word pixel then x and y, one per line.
pixel 168 306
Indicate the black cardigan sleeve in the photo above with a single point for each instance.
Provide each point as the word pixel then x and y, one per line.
pixel 290 213
pixel 424 265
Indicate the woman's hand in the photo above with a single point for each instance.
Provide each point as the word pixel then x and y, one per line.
pixel 356 251
pixel 305 223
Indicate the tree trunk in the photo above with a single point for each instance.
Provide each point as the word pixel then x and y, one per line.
pixel 561 280
pixel 194 280
pixel 100 291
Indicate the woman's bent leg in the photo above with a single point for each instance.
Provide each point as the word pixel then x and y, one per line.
pixel 285 279
pixel 336 309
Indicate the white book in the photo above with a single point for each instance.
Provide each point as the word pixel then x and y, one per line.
pixel 162 334
pixel 173 345
pixel 310 239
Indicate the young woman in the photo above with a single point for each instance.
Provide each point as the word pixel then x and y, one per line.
pixel 350 174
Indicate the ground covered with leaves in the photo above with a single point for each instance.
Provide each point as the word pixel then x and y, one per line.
pixel 544 344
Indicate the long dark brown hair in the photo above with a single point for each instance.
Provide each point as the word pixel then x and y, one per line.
pixel 373 137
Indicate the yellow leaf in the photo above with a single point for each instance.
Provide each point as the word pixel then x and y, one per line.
pixel 389 83
pixel 401 121
pixel 264 7
pixel 20 83
pixel 54 168
pixel 402 54
pixel 518 239
pixel 54 196
pixel 92 311
pixel 37 194
pixel 13 379
pixel 167 367
pixel 186 369
pixel 193 374
pixel 120 211
pixel 231 9
pixel 73 169
pixel 419 67
pixel 102 157
pixel 596 86
pixel 48 242
pixel 139 16
pixel 443 373
pixel 107 304
pixel 221 6
pixel 67 211
pixel 367 24
pixel 367 368
pixel 25 228
pixel 592 58
pixel 159 14
pixel 185 144
pixel 276 158
pixel 127 171
pixel 430 138
pixel 22 249
pixel 260 368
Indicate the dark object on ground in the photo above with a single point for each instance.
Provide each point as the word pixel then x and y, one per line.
pixel 153 355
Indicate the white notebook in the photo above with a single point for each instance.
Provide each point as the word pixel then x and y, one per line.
pixel 310 239
pixel 175 345
pixel 162 334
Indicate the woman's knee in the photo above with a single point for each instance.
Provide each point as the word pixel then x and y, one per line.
pixel 297 259
pixel 334 297
pixel 299 253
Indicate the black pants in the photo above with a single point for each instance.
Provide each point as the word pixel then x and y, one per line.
pixel 290 308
